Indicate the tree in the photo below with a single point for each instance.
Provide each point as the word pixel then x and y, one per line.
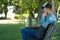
pixel 30 5
pixel 41 2
pixel 3 6
pixel 55 5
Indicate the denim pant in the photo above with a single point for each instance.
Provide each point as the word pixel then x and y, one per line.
pixel 29 32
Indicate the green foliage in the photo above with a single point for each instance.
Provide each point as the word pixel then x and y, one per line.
pixel 17 16
pixel 28 5
pixel 57 3
pixel 24 5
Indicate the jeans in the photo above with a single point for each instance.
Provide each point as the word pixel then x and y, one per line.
pixel 29 32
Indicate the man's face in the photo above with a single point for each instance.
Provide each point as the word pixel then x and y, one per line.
pixel 46 10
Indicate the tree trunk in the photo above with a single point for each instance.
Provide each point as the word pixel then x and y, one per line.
pixel 5 10
pixel 30 18
pixel 5 14
pixel 41 2
pixel 30 21
pixel 53 7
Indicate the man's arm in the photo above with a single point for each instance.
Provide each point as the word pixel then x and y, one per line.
pixel 52 19
pixel 42 20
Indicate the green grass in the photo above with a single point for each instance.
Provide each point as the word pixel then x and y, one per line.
pixel 56 36
pixel 12 31
pixel 58 25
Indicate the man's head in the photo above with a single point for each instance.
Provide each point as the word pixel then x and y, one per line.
pixel 47 7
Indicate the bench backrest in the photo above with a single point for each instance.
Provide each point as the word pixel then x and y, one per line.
pixel 48 32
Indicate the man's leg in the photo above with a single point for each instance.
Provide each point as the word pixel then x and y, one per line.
pixel 27 32
pixel 40 33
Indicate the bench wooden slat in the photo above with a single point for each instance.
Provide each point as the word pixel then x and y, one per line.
pixel 48 33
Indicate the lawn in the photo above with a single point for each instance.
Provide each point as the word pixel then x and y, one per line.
pixel 56 36
pixel 12 31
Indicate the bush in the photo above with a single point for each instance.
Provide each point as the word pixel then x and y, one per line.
pixel 2 18
pixel 17 16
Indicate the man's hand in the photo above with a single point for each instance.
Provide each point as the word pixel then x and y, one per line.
pixel 44 14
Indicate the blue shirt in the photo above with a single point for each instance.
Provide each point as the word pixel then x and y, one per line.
pixel 50 18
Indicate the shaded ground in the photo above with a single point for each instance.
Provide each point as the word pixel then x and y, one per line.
pixel 11 31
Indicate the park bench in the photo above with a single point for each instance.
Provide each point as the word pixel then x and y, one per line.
pixel 47 33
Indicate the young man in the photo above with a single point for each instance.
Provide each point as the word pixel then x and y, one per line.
pixel 47 17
